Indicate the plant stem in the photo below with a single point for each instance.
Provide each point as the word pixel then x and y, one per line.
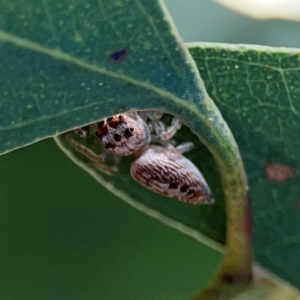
pixel 235 272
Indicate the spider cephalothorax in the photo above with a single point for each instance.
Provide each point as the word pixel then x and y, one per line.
pixel 160 168
pixel 123 134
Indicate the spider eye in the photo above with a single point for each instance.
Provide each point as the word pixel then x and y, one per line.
pixel 109 146
pixel 128 132
pixel 117 137
pixel 183 189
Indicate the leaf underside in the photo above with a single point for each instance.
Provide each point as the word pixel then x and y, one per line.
pixel 69 63
pixel 78 62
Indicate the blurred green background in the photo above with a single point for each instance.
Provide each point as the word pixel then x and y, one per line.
pixel 62 236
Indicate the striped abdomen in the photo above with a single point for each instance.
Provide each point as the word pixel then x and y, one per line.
pixel 167 172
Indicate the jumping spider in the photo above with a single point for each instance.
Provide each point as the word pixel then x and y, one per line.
pixel 160 168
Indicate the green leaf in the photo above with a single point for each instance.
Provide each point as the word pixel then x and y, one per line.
pixel 106 68
pixel 71 73
pixel 68 63
pixel 257 90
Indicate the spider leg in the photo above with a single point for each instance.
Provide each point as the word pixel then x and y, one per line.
pixel 184 147
pixel 162 132
pixel 96 160
pixel 81 132
pixel 103 168
pixel 154 114
pixel 171 130
pixel 86 131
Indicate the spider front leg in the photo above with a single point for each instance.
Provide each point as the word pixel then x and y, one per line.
pixel 151 114
pixel 162 133
pixel 82 132
pixel 96 160
pixel 86 131
pixel 184 147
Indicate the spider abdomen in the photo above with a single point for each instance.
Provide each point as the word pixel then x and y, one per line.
pixel 168 172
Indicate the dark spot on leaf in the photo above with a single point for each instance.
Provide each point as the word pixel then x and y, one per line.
pixel 117 137
pixel 279 173
pixel 183 189
pixel 172 185
pixel 268 70
pixel 229 279
pixel 234 278
pixel 118 56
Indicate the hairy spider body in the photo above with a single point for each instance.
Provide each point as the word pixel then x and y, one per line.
pixel 161 169
pixel 168 172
